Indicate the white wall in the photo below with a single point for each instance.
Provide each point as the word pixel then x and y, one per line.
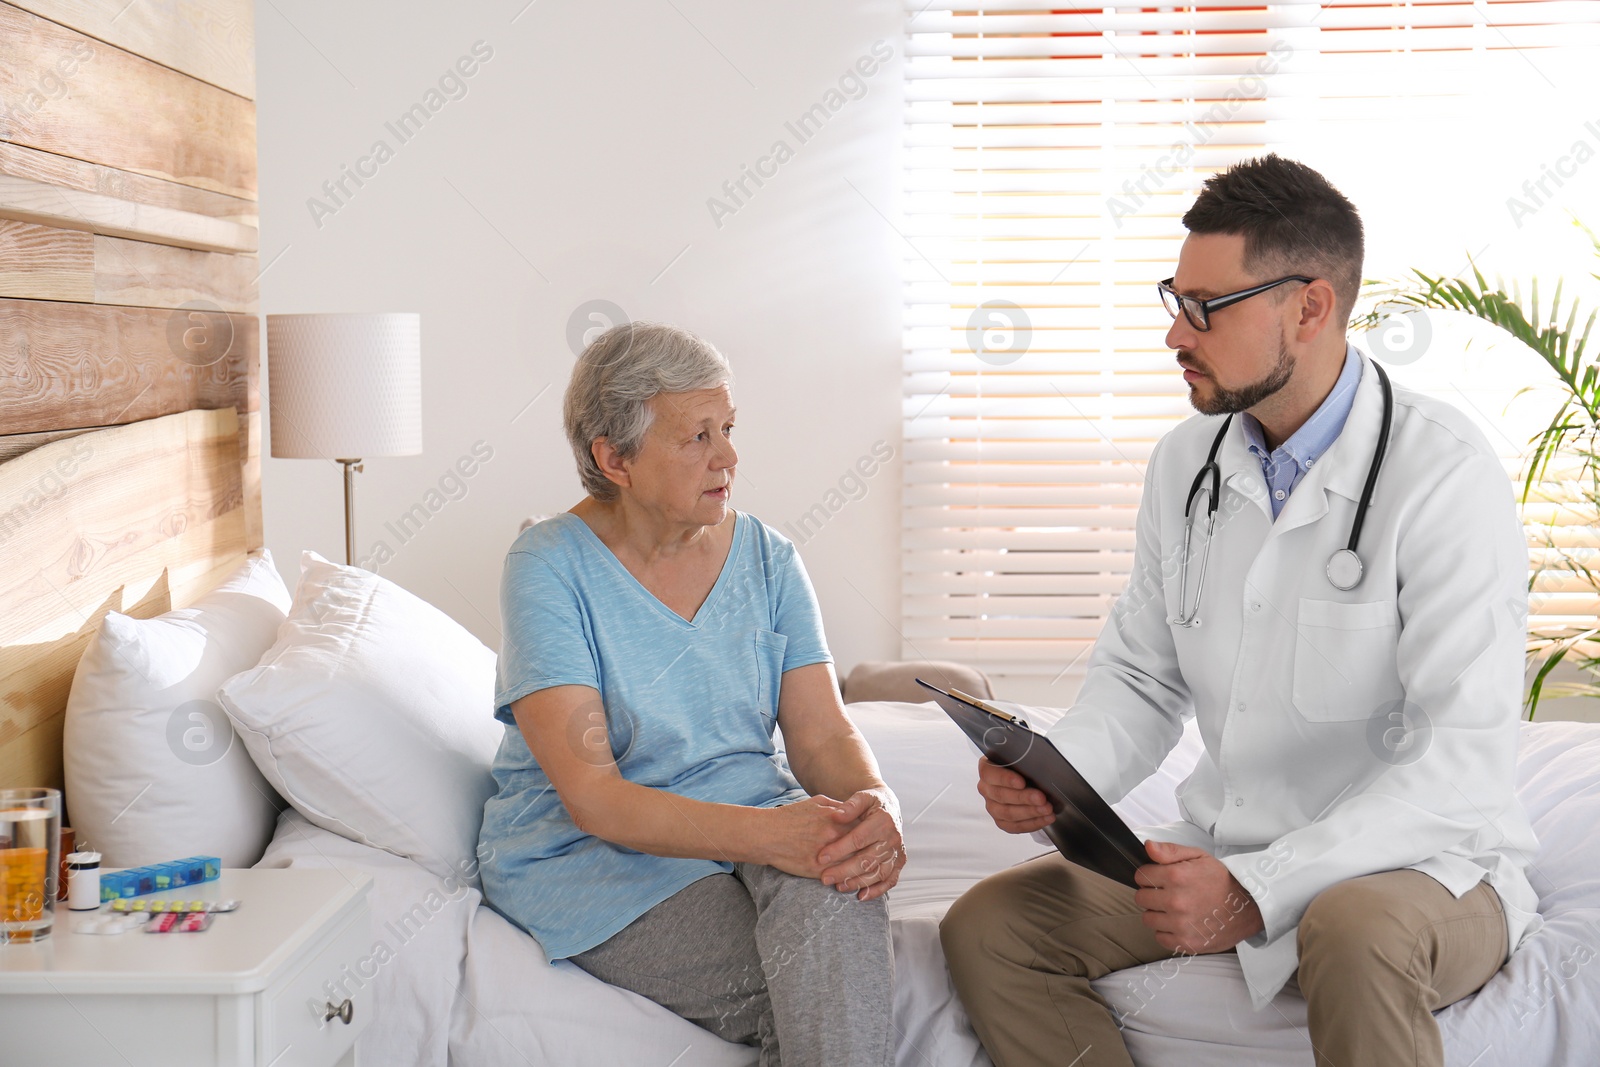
pixel 581 158
pixel 590 142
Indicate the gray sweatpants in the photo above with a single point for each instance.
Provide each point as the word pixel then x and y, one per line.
pixel 761 957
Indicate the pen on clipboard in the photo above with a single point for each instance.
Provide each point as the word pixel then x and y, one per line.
pixel 990 708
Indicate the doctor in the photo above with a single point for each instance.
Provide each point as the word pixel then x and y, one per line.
pixel 1351 821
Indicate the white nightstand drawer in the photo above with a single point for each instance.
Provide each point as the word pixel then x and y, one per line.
pixel 291 1029
pixel 84 1030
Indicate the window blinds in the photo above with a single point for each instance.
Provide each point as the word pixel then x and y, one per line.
pixel 1050 153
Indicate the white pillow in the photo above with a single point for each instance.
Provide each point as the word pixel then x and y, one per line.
pixel 951 843
pixel 373 715
pixel 153 769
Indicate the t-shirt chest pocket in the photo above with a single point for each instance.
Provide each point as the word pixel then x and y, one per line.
pixel 1344 659
pixel 769 645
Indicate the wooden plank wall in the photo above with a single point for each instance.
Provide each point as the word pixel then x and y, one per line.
pixel 136 518
pixel 128 292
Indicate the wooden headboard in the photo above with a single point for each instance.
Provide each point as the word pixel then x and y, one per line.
pixel 129 409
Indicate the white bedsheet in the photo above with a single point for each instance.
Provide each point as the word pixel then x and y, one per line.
pixel 471 989
pixel 462 986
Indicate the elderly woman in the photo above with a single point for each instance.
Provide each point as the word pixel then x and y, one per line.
pixel 646 828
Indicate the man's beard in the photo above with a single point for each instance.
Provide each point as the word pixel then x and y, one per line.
pixel 1227 401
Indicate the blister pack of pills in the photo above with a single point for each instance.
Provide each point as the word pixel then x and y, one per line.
pixel 156 907
pixel 111 924
pixel 177 922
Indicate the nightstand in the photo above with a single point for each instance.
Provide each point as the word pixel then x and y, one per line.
pixel 285 981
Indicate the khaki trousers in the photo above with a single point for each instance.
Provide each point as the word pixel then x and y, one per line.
pixel 1378 955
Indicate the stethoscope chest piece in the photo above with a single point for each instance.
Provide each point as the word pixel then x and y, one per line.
pixel 1344 566
pixel 1344 569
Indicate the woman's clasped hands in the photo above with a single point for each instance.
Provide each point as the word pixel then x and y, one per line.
pixel 854 845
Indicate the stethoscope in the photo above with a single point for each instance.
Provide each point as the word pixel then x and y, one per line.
pixel 1344 566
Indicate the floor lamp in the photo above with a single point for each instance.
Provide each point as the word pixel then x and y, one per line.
pixel 345 387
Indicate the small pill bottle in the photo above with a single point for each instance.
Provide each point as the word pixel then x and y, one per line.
pixel 83 881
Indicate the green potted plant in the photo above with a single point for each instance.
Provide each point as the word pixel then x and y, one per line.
pixel 1563 467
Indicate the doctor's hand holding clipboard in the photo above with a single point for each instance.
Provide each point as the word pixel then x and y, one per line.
pixel 1192 903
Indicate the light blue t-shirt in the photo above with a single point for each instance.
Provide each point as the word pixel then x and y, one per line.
pixel 690 708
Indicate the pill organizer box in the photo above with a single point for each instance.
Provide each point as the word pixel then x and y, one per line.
pixel 158 877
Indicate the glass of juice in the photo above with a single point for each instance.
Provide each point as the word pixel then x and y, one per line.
pixel 30 846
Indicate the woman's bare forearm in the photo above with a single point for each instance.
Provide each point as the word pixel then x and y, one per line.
pixel 666 824
pixel 827 753
pixel 837 765
pixel 604 803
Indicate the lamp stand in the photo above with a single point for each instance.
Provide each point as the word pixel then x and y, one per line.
pixel 350 467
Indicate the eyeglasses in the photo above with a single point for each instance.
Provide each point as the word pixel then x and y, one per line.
pixel 1198 311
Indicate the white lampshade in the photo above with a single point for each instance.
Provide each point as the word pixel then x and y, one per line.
pixel 345 386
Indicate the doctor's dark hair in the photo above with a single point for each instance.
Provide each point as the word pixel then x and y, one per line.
pixel 1292 219
pixel 617 374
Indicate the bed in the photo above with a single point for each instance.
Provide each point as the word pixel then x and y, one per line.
pixel 474 990
pixel 155 530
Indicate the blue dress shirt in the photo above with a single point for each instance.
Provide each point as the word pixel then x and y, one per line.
pixel 1285 465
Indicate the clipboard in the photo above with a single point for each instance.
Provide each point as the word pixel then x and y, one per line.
pixel 1086 831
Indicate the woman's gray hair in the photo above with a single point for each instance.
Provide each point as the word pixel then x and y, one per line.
pixel 615 378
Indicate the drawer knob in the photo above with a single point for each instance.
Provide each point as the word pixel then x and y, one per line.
pixel 342 1011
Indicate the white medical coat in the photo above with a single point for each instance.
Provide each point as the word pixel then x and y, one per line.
pixel 1345 733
